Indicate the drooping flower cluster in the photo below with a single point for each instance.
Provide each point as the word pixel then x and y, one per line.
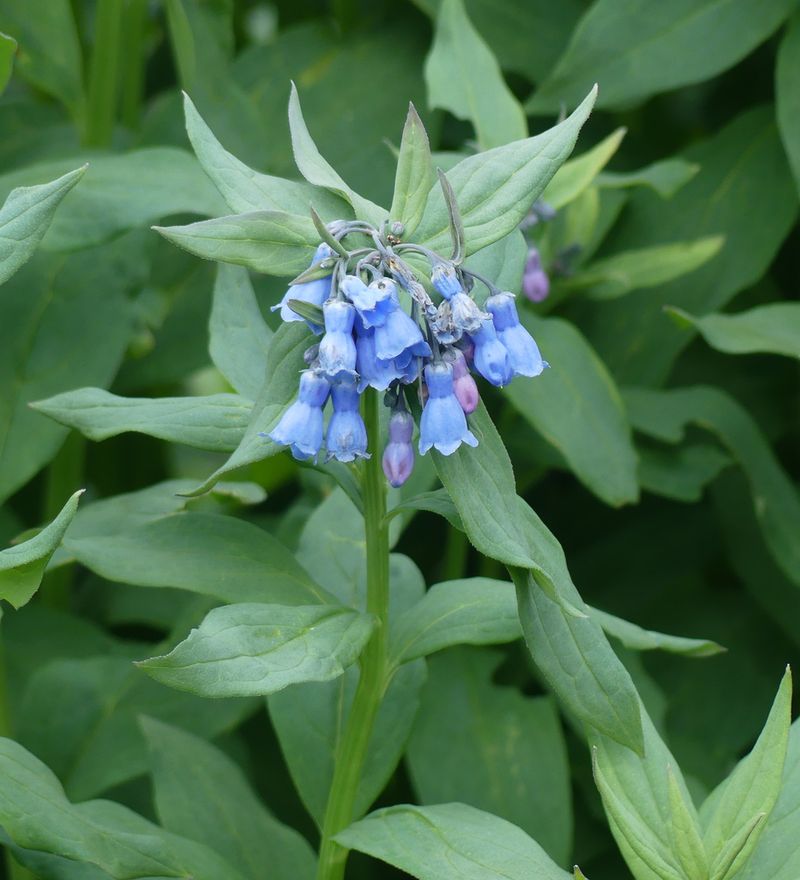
pixel 381 328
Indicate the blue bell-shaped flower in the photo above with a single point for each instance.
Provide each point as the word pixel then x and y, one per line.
pixel 346 439
pixel 374 302
pixel 443 425
pixel 337 348
pixel 371 371
pixel 398 456
pixel 300 427
pixel 491 359
pixel 523 352
pixel 399 335
pixel 444 279
pixel 313 292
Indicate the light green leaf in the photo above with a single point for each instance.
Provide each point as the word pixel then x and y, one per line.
pixel 463 76
pixel 752 789
pixel 266 241
pixel 614 276
pixel 36 815
pixel 473 611
pixel 665 414
pixel 665 177
pixel 576 407
pixel 787 94
pixel 436 501
pixel 216 422
pixel 638 639
pixel 22 567
pixel 318 172
pixel 415 176
pixel 238 337
pixel 630 49
pixel 773 328
pixel 577 174
pixel 495 189
pixel 8 46
pixel 680 473
pixel 685 828
pixel 253 650
pixel 450 842
pixel 24 219
pixel 513 746
pixel 201 794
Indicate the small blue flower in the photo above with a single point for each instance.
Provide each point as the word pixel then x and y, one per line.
pixel 337 349
pixel 398 456
pixel 491 357
pixel 313 292
pixel 523 352
pixel 443 425
pixel 371 371
pixel 372 303
pixel 346 439
pixel 300 428
pixel 444 278
pixel 399 335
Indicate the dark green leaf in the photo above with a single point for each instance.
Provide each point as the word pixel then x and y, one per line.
pixel 437 501
pixel 308 311
pixel 787 94
pixel 665 177
pixel 8 46
pixel 680 473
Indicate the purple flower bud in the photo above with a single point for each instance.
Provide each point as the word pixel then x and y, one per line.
pixel 464 386
pixel 346 439
pixel 536 285
pixel 398 457
pixel 523 352
pixel 443 425
pixel 491 357
pixel 337 349
pixel 300 427
pixel 533 260
pixel 444 279
pixel 313 292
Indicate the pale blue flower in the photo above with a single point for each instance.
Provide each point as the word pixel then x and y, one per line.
pixel 523 352
pixel 337 348
pixel 346 439
pixel 300 427
pixel 313 292
pixel 491 357
pixel 443 425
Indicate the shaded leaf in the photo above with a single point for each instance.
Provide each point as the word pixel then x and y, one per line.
pixel 680 473
pixel 665 177
pixel 638 639
pixel 787 95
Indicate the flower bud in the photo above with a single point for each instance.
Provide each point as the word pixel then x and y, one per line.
pixel 444 279
pixel 464 386
pixel 398 457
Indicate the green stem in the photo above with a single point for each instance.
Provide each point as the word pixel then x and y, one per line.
pixel 104 74
pixel 352 751
pixel 133 63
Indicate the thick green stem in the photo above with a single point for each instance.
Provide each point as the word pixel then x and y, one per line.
pixel 104 74
pixel 352 751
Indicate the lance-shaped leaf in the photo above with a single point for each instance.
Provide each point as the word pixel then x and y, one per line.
pixel 773 328
pixel 25 216
pixel 495 189
pixel 8 46
pixel 253 650
pixel 463 76
pixel 450 842
pixel 437 501
pixel 316 169
pixel 577 174
pixel 665 177
pixel 637 639
pixel 271 242
pixel 216 422
pixel 415 175
pixel 22 567
pixel 247 190
pixel 680 473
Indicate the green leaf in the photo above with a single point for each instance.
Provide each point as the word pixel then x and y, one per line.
pixel 463 76
pixel 495 189
pixel 751 789
pixel 680 473
pixel 238 337
pixel 576 407
pixel 267 241
pixel 201 794
pixel 318 172
pixel 472 611
pixel 665 414
pixel 773 328
pixel 24 219
pixel 787 94
pixel 638 639
pixel 37 816
pixel 436 501
pixel 450 842
pixel 216 422
pixel 665 177
pixel 22 567
pixel 8 46
pixel 204 553
pixel 415 176
pixel 622 273
pixel 252 649
pixel 631 51
pixel 685 827
pixel 513 746
pixel 247 190
pixel 577 174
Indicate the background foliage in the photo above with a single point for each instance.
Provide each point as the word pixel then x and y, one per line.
pixel 661 446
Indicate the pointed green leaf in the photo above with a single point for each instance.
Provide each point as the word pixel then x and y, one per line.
pixel 415 176
pixel 436 501
pixel 787 94
pixel 22 567
pixel 253 650
pixel 665 177
pixel 680 473
pixel 637 639
pixel 737 850
pixel 686 840
pixel 577 174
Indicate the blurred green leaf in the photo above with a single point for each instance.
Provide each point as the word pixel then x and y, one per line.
pixel 8 46
pixel 201 794
pixel 251 649
pixel 496 189
pixel 575 406
pixel 463 76
pixel 680 473
pixel 575 175
pixel 415 176
pixel 216 422
pixel 773 328
pixel 787 94
pixel 513 746
pixel 22 567
pixel 630 48
pixel 665 177
pixel 638 639
pixel 450 842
